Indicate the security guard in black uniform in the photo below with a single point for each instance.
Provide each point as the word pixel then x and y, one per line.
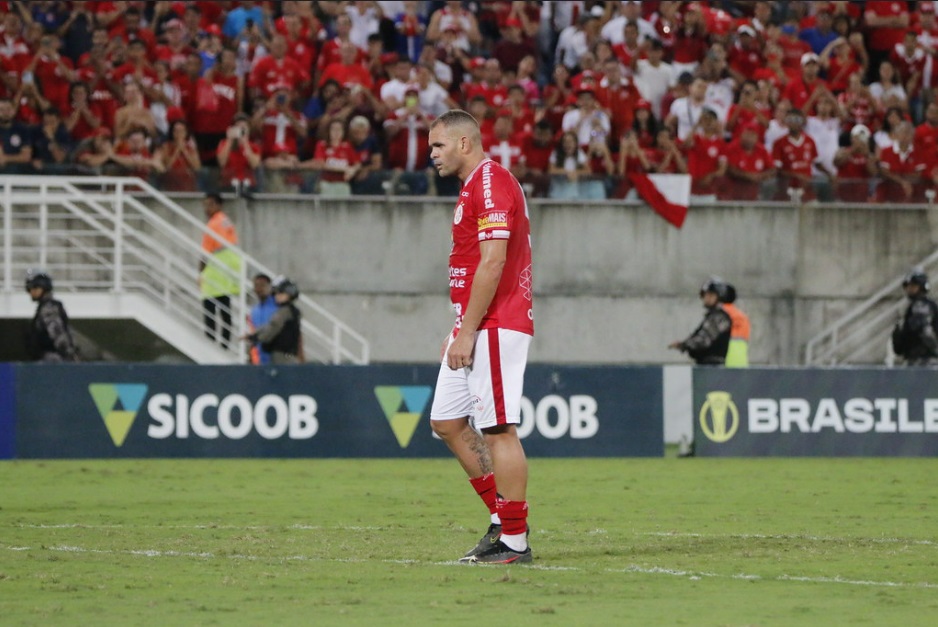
pixel 281 335
pixel 915 337
pixel 708 344
pixel 49 339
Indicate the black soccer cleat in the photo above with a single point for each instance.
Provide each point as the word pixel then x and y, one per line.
pixel 491 537
pixel 500 553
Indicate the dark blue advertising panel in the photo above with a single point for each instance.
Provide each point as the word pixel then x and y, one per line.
pixel 99 411
pixel 816 412
pixel 7 412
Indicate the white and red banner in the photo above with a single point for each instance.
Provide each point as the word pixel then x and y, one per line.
pixel 667 194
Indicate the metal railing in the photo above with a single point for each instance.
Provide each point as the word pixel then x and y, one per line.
pixel 107 234
pixel 862 334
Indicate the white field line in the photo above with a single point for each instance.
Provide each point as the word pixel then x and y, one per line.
pixel 808 538
pixel 663 534
pixel 632 568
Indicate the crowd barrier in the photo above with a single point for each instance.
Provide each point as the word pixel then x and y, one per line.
pixel 135 411
pixel 426 182
pixel 382 411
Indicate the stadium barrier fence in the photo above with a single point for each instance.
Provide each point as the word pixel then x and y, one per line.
pixel 168 411
pixel 815 412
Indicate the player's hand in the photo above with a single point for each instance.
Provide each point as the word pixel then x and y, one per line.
pixel 460 351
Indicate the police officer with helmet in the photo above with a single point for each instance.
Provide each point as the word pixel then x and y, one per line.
pixel 708 344
pixel 915 337
pixel 50 340
pixel 281 336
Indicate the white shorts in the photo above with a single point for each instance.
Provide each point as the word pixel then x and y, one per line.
pixel 488 392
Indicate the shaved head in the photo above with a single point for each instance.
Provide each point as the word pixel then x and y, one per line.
pixel 455 143
pixel 459 122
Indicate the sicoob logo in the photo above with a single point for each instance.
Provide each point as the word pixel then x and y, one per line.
pixel 118 404
pixel 403 406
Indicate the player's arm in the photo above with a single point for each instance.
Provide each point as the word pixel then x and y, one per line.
pixel 484 284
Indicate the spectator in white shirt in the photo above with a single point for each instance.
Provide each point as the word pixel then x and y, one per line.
pixel 366 20
pixel 629 11
pixel 653 77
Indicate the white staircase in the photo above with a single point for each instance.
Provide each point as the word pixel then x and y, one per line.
pixel 863 335
pixel 118 248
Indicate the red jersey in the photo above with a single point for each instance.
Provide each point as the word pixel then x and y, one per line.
pixel 744 117
pixel 792 50
pixel 269 72
pixel 330 53
pixel 492 206
pixel 856 166
pixel 926 139
pixel 226 93
pixel 408 149
pixel 237 166
pixel 905 164
pixel 689 47
pixel 745 61
pixel 345 75
pixel 794 156
pixel 52 79
pixel 82 129
pixel 859 109
pixel 141 170
pixel 908 63
pixel 175 58
pixel 883 38
pixel 852 178
pixel 536 157
pixel 119 31
pixel 100 95
pixel 902 163
pixel 341 156
pixel 278 134
pixel 627 55
pixel 127 72
pixel 507 152
pixel 619 100
pixel 798 92
pixel 495 95
pixel 179 174
pixel 838 73
pixel 755 161
pixel 704 158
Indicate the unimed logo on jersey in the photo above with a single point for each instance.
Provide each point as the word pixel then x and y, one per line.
pixel 118 404
pixel 403 406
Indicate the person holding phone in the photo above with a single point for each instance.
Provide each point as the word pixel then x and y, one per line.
pixel 238 156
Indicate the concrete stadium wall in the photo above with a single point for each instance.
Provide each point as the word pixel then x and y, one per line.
pixel 614 283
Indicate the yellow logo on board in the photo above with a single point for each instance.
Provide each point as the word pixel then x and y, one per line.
pixel 403 406
pixel 719 417
pixel 118 404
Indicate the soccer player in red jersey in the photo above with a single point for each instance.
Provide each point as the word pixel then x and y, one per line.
pixel 483 359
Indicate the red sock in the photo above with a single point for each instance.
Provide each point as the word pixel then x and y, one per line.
pixel 485 488
pixel 514 516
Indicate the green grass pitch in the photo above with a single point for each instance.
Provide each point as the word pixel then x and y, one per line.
pixel 374 542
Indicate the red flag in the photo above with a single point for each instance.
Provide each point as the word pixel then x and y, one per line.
pixel 667 194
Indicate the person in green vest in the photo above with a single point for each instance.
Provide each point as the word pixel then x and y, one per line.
pixel 737 354
pixel 219 271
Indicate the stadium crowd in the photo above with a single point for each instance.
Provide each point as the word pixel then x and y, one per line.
pixel 752 99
